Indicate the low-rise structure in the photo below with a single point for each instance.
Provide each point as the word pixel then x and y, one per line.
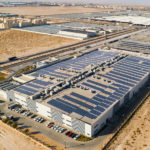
pixel 135 20
pixel 77 34
pixel 82 93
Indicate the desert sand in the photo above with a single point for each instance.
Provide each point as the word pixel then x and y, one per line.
pixel 136 135
pixel 11 139
pixel 21 43
pixel 49 10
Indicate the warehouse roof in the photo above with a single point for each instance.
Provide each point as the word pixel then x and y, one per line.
pixel 91 97
pixel 137 20
pixel 125 75
pixel 77 31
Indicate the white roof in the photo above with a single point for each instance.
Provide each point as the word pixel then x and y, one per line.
pixel 129 19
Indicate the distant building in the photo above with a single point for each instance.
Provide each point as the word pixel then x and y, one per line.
pixel 39 21
pixel 77 34
pixel 24 23
pixel 135 20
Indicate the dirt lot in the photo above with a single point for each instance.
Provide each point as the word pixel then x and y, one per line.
pixel 21 43
pixel 136 135
pixel 47 141
pixel 10 139
pixel 49 10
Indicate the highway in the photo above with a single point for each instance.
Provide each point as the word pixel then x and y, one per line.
pixel 99 40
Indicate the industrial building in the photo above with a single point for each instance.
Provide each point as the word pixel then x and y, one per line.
pixel 82 93
pixel 77 34
pixel 135 43
pixel 135 20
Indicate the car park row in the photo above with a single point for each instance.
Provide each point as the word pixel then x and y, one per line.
pixel 62 130
pixel 51 125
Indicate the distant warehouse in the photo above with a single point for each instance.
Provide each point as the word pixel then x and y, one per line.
pixel 77 34
pixel 135 20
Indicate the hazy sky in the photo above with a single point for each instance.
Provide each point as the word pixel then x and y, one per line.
pixel 115 1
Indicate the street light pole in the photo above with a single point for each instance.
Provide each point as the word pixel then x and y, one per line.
pixel 65 144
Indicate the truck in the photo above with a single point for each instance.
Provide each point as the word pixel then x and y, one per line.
pixel 12 58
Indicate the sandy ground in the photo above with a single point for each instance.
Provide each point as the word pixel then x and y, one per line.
pixel 47 141
pixel 10 139
pixel 49 10
pixel 136 135
pixel 21 43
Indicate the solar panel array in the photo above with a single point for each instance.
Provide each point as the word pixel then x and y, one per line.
pixel 134 46
pixel 126 74
pixel 77 64
pixel 32 87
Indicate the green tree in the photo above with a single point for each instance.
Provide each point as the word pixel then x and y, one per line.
pixel 5 120
pixel 9 122
pixel 26 131
pixel 14 125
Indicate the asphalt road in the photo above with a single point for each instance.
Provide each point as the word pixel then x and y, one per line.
pixel 99 43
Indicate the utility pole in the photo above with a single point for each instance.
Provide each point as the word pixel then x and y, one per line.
pixel 65 143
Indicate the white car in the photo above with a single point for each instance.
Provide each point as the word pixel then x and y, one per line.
pixel 76 137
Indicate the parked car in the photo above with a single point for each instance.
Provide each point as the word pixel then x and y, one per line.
pixel 33 116
pixel 41 120
pixel 76 137
pixel 58 129
pixel 70 134
pixel 73 135
pixel 62 130
pixel 67 132
pixel 51 125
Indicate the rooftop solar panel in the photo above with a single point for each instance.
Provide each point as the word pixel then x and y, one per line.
pixel 99 108
pixel 119 81
pixel 60 105
pixel 82 97
pixel 96 88
pixel 122 78
pixel 126 75
pixel 34 86
pixel 77 102
pixel 96 83
pixel 23 92
pixel 104 105
pixel 42 83
pixel 28 89
pixel 95 112
pixel 128 72
pixel 102 100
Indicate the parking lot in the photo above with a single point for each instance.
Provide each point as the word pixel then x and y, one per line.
pixel 50 130
pixel 38 119
pixel 30 120
pixel 17 109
